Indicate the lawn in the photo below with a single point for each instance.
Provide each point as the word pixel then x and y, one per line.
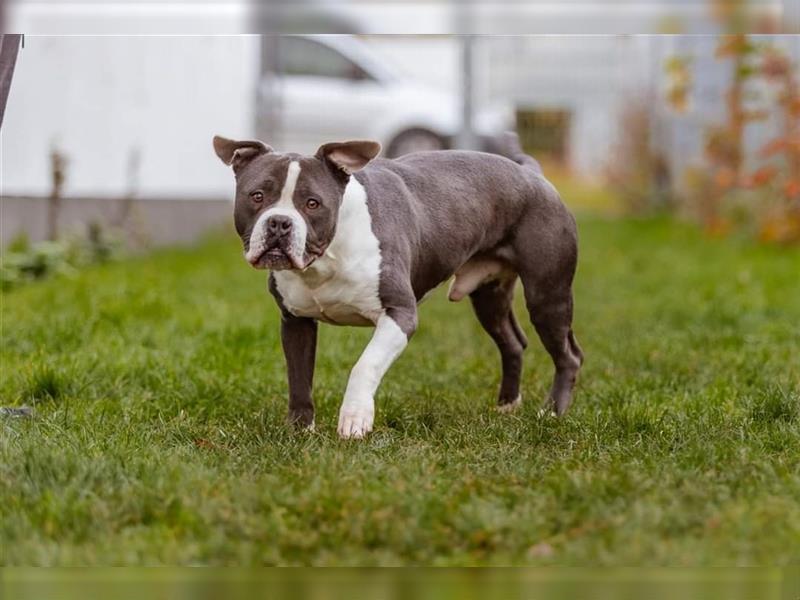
pixel 159 437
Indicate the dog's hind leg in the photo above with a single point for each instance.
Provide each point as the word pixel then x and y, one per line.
pixel 493 306
pixel 551 313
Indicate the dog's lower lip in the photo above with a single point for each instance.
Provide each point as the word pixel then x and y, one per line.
pixel 259 258
pixel 278 253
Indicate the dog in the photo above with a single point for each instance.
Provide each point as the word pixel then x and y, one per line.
pixel 352 239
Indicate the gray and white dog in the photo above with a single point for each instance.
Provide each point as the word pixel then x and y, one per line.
pixel 351 239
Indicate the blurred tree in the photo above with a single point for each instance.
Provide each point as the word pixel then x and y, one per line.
pixel 726 175
pixel 782 222
pixel 724 145
pixel 638 172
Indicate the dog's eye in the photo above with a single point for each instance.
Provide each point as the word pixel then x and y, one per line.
pixel 257 197
pixel 312 203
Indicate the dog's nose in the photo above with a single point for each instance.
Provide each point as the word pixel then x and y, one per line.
pixel 279 224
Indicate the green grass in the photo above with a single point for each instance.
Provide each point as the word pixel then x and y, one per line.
pixel 159 432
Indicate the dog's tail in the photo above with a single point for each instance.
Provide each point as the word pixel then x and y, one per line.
pixel 507 144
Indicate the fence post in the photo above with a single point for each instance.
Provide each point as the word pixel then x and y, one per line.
pixel 9 47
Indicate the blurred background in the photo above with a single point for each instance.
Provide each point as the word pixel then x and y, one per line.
pixel 107 137
pixel 142 400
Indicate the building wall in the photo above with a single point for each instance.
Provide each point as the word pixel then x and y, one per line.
pixel 150 221
pixel 101 100
pixel 589 76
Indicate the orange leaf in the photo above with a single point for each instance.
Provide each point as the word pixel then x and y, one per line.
pixel 775 65
pixel 764 175
pixel 725 178
pixel 792 188
pixel 678 98
pixel 773 147
pixel 730 45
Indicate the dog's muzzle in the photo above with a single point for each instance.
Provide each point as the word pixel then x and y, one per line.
pixel 278 241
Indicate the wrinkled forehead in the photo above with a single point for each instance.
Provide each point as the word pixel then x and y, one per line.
pixel 270 166
pixel 274 168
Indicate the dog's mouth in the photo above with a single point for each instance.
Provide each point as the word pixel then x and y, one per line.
pixel 276 258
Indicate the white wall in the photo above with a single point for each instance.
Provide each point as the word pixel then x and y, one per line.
pixel 98 98
pixel 588 75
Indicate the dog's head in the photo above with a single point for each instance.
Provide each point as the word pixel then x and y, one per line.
pixel 287 205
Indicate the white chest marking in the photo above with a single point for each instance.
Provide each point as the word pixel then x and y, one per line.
pixel 341 287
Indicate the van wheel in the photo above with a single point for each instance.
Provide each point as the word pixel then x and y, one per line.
pixel 415 140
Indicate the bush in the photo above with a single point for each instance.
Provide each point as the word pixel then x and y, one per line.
pixel 638 172
pixel 23 261
pixel 735 189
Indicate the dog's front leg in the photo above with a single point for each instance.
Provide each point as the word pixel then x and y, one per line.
pixel 392 332
pixel 299 340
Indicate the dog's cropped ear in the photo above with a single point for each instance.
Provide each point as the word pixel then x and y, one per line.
pixel 349 156
pixel 236 153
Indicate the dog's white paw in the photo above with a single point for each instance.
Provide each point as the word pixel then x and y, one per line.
pixel 355 421
pixel 511 406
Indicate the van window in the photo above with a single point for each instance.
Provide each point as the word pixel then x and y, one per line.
pixel 301 56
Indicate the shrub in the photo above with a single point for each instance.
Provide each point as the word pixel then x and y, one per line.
pixel 638 172
pixel 23 261
pixel 725 193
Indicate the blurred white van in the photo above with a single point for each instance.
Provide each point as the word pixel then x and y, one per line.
pixel 335 87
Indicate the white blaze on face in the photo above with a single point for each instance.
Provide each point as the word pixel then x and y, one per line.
pixel 297 242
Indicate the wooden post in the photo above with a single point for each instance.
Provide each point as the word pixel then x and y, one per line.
pixel 9 47
pixel 58 164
